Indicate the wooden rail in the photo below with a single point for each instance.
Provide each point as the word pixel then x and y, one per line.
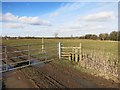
pixel 70 47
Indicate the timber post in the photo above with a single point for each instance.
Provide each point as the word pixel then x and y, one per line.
pixel 80 51
pixel 76 54
pixel 42 45
pixel 80 54
pixel 59 50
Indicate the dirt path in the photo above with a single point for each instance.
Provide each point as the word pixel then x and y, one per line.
pixel 54 75
pixel 17 79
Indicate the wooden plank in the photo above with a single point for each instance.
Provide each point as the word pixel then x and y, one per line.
pixel 71 53
pixel 70 47
pixel 66 52
pixel 65 55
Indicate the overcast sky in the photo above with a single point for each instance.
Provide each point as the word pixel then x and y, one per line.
pixel 65 18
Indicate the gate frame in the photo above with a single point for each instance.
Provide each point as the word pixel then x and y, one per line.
pixel 28 55
pixel 74 54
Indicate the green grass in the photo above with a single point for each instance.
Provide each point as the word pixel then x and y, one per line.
pixel 104 46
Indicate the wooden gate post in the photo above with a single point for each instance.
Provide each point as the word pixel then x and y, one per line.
pixel 80 54
pixel 59 50
pixel 73 54
pixel 42 45
pixel 76 54
pixel 70 56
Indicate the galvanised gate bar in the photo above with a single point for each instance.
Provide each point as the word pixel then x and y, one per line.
pixel 19 56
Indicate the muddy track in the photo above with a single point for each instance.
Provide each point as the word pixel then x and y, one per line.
pixel 50 79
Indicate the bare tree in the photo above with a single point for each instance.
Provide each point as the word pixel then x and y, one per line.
pixel 56 35
pixel 71 36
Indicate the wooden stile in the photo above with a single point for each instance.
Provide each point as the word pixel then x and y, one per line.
pixel 73 53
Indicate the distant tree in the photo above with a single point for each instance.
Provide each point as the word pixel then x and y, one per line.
pixel 114 35
pixel 71 36
pixel 104 36
pixel 56 35
pixel 91 36
pixel 118 35
pixel 94 37
pixel 88 36
pixel 82 37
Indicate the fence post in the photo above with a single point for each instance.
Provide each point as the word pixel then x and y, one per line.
pixel 76 54
pixel 59 50
pixel 73 54
pixel 69 57
pixel 6 57
pixel 42 45
pixel 80 56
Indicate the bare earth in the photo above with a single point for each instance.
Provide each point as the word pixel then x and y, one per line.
pixel 71 78
pixel 53 76
pixel 17 79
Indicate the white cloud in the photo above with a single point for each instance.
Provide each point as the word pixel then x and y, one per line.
pixel 76 26
pixel 54 14
pixel 71 7
pixel 94 27
pixel 86 27
pixel 66 8
pixel 33 21
pixel 100 16
pixel 0 16
pixel 12 25
pixel 9 17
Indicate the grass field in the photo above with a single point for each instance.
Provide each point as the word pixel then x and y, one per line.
pixel 103 46
pixel 107 46
pixel 106 52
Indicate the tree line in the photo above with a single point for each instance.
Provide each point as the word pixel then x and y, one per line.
pixel 114 35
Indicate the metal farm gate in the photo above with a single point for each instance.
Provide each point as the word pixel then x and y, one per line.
pixel 19 56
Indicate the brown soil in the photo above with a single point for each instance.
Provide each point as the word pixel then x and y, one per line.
pixel 55 75
pixel 17 79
